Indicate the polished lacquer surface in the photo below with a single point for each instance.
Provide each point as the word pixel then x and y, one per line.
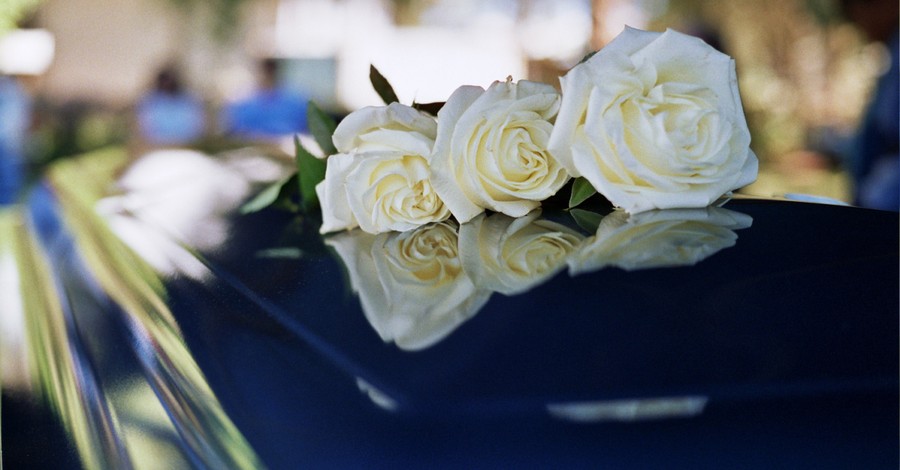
pixel 171 329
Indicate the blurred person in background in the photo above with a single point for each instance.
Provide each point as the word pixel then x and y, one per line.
pixel 875 159
pixel 271 111
pixel 169 115
pixel 15 121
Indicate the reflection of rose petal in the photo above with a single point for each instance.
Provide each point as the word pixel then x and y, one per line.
pixel 411 286
pixel 512 255
pixel 655 239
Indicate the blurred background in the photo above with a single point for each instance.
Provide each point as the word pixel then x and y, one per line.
pixel 80 75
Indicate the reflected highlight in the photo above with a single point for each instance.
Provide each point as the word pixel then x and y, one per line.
pixel 640 409
pixel 417 287
pixel 658 239
pixel 411 285
pixel 206 432
pixel 512 255
pixel 59 366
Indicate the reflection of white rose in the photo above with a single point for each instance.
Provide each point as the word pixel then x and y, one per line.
pixel 491 149
pixel 655 239
pixel 411 285
pixel 380 180
pixel 510 255
pixel 654 120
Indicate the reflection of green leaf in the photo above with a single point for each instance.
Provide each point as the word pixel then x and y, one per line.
pixel 281 253
pixel 430 108
pixel 311 171
pixel 382 86
pixel 581 190
pixel 322 127
pixel 278 194
pixel 587 220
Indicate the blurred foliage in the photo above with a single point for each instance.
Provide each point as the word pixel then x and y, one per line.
pixel 805 76
pixel 73 128
pixel 803 73
pixel 823 11
pixel 14 11
pixel 407 12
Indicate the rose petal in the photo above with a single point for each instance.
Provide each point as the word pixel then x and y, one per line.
pixel 336 212
pixel 347 135
pixel 654 120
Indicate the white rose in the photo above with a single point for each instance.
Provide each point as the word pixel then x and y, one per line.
pixel 654 120
pixel 491 149
pixel 512 255
pixel 656 239
pixel 380 180
pixel 386 128
pixel 411 285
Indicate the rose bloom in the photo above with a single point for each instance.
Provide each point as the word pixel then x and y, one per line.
pixel 513 255
pixel 658 239
pixel 491 149
pixel 654 120
pixel 380 180
pixel 411 285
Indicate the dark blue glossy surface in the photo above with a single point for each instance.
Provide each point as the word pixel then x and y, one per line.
pixel 779 351
pixel 790 334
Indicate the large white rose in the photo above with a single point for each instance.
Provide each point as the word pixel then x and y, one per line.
pixel 411 285
pixel 380 180
pixel 654 120
pixel 512 255
pixel 658 239
pixel 491 149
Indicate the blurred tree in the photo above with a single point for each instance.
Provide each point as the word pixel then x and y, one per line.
pixel 801 69
pixel 14 11
pixel 407 12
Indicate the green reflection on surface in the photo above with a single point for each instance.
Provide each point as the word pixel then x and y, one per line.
pixel 158 411
pixel 132 284
pixel 57 367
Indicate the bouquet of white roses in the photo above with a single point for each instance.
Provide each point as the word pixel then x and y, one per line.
pixel 651 121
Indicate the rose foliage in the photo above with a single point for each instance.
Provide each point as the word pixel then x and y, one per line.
pixel 651 121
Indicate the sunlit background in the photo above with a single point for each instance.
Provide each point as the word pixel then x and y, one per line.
pixel 76 77
pixel 806 73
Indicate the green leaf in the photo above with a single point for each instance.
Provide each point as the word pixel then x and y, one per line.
pixel 587 220
pixel 382 86
pixel 430 108
pixel 587 57
pixel 279 194
pixel 310 171
pixel 581 190
pixel 322 127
